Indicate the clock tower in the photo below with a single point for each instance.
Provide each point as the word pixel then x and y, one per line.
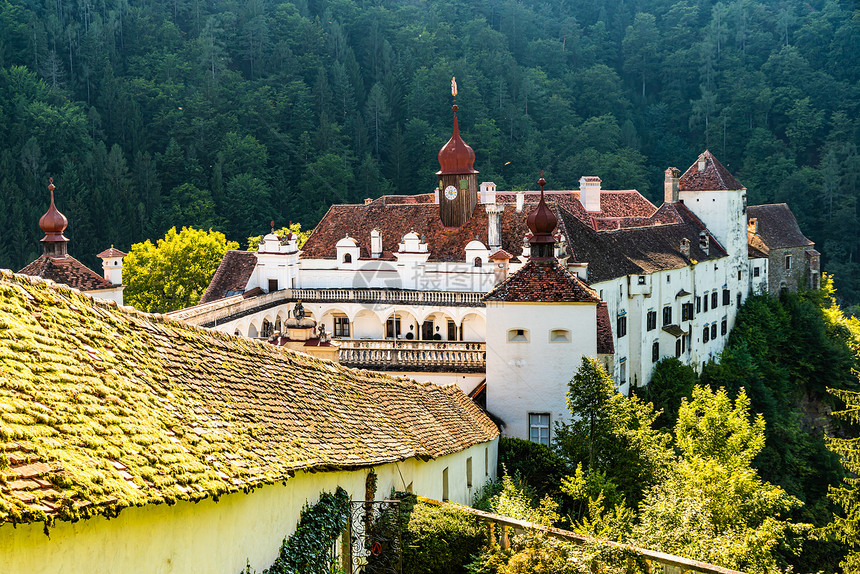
pixel 458 180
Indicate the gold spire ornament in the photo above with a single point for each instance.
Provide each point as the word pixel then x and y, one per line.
pixel 454 86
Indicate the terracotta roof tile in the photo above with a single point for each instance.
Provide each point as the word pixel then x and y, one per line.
pixel 68 271
pixel 543 281
pixel 104 408
pixel 714 177
pixel 605 344
pixel 112 252
pixel 232 275
pixel 777 227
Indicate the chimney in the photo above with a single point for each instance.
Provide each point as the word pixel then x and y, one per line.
pixel 368 201
pixel 375 243
pixel 704 242
pixel 670 185
pixel 752 225
pixel 494 225
pixel 702 162
pixel 500 261
pixel 589 192
pixel 488 192
pixel 685 247
pixel 112 264
pixel 521 199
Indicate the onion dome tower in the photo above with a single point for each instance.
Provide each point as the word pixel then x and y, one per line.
pixel 458 180
pixel 542 222
pixel 54 223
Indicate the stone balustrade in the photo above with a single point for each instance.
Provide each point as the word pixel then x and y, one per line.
pixel 400 355
pixel 396 296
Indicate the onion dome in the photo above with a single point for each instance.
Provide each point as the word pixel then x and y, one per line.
pixel 542 222
pixel 53 223
pixel 456 157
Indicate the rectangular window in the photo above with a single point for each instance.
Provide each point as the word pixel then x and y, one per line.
pixel 698 304
pixel 687 312
pixel 724 326
pixel 678 347
pixel 621 326
pixel 273 285
pixel 706 334
pixel 739 299
pixel 452 330
pixel 756 271
pixel 667 315
pixel 685 342
pixel 445 484
pixel 739 275
pixel 539 428
pixel 727 297
pixel 655 352
pixel 706 302
pixel 715 299
pixel 651 321
pixel 623 372
pixel 341 327
pixel 788 262
pixel 642 280
pixel 469 472
pixel 486 461
pixel 714 331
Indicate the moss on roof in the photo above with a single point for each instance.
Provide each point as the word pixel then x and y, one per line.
pixel 103 408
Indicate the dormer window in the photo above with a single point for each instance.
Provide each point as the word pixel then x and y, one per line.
pixel 704 242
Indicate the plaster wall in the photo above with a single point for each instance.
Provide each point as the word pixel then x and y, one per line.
pixel 114 294
pixel 532 376
pixel 219 537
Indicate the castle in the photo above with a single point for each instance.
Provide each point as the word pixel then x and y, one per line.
pixel 502 292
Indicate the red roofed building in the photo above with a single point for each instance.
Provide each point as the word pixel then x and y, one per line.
pixel 57 265
pixel 400 281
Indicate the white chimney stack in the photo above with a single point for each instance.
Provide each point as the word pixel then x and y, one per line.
pixel 375 244
pixel 112 264
pixel 488 192
pixel 494 225
pixel 521 200
pixel 589 192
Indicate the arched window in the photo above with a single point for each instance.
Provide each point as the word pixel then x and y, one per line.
pixel 478 262
pixel 518 336
pixel 347 258
pixel 559 336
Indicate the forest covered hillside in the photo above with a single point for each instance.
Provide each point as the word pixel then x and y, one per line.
pixel 227 114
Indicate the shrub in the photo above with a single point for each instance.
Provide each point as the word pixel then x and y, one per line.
pixel 535 464
pixel 439 539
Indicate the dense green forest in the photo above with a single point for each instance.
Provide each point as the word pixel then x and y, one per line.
pixel 155 113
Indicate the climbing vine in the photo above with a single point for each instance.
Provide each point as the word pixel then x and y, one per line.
pixel 308 550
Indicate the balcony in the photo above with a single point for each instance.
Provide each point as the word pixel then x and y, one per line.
pixel 424 356
pixel 393 296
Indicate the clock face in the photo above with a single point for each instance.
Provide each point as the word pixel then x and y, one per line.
pixel 450 192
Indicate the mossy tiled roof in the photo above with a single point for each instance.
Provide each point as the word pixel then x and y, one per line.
pixel 103 408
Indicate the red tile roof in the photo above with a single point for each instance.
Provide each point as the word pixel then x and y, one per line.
pixel 714 177
pixel 107 408
pixel 112 252
pixel 777 227
pixel 543 281
pixel 605 344
pixel 68 271
pixel 232 275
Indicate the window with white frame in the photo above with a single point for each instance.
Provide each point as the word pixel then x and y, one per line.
pixel 539 428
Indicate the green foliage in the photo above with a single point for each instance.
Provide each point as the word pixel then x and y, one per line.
pixel 174 273
pixel 671 382
pixel 847 495
pixel 310 103
pixel 537 465
pixel 612 434
pixel 294 228
pixel 712 506
pixel 308 549
pixel 439 539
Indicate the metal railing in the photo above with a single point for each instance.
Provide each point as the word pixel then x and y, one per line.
pixel 400 355
pixel 505 526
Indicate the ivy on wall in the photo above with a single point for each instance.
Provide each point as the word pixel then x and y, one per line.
pixel 308 550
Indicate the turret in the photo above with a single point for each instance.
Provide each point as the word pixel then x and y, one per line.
pixel 458 180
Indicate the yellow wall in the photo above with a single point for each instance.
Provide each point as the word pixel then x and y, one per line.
pixel 210 537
